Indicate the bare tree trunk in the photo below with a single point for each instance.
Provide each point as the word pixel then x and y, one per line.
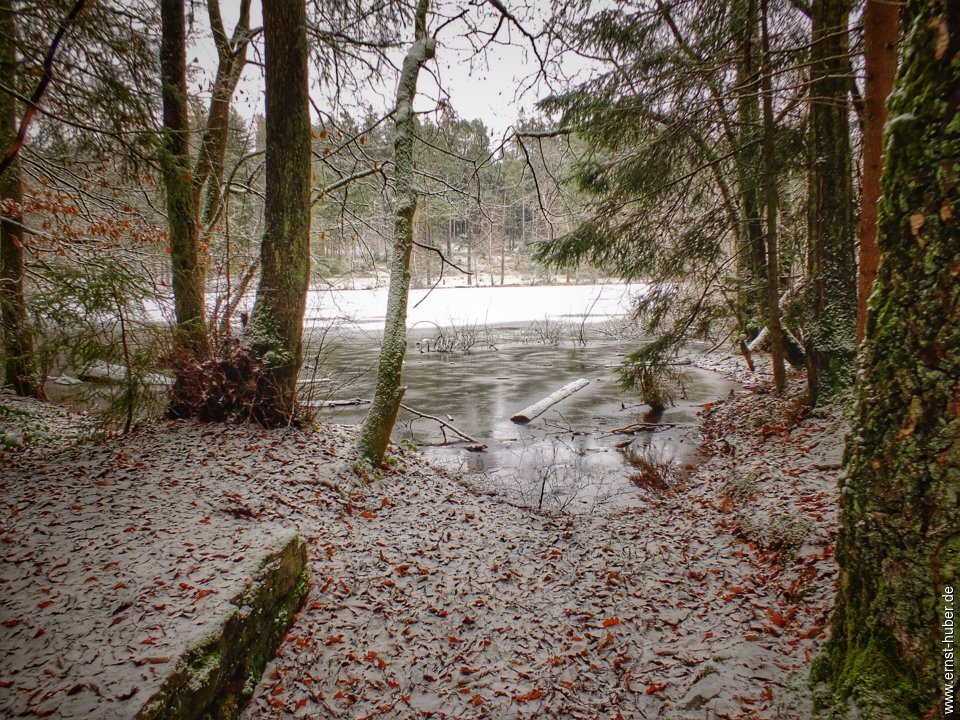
pixel 899 544
pixel 188 271
pixel 881 34
pixel 831 341
pixel 770 180
pixel 377 426
pixel 19 363
pixel 275 332
pixel 232 56
pixel 751 254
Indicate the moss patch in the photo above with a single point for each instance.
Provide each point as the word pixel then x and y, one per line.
pixel 214 678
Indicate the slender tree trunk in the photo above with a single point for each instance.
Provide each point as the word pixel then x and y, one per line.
pixel 831 342
pixel 751 254
pixel 275 332
pixel 881 33
pixel 232 56
pixel 899 546
pixel 188 270
pixel 770 181
pixel 19 362
pixel 377 426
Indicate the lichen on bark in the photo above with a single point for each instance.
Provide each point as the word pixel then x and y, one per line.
pixel 375 433
pixel 900 517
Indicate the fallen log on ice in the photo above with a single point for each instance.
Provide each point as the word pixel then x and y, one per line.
pixel 529 413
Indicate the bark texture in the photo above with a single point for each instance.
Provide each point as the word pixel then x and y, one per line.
pixel 900 540
pixel 378 424
pixel 19 363
pixel 831 341
pixel 881 34
pixel 275 331
pixel 772 210
pixel 188 270
pixel 751 254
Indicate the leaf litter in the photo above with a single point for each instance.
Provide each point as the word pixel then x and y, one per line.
pixel 430 598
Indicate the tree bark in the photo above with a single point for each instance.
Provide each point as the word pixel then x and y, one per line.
pixel 771 201
pixel 377 426
pixel 19 362
pixel 275 332
pixel 881 34
pixel 831 341
pixel 899 545
pixel 231 58
pixel 751 254
pixel 188 270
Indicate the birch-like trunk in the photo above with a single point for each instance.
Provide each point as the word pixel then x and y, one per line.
pixel 377 426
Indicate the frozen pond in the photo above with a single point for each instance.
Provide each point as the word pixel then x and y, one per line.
pixel 568 455
pixel 525 343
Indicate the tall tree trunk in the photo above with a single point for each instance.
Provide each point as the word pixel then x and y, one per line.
pixel 377 426
pixel 770 182
pixel 881 33
pixel 899 546
pixel 275 332
pixel 19 362
pixel 188 270
pixel 751 254
pixel 831 342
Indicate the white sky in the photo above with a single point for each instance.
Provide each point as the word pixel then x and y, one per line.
pixel 484 87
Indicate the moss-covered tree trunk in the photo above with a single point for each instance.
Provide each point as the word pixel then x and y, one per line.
pixel 375 434
pixel 19 362
pixel 275 332
pixel 881 34
pixel 831 340
pixel 184 241
pixel 900 540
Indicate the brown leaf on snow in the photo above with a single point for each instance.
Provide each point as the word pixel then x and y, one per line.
pixel 534 694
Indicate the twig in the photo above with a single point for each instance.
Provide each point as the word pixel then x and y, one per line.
pixel 14 149
pixel 443 423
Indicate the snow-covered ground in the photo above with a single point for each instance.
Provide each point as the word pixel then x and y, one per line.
pixel 431 597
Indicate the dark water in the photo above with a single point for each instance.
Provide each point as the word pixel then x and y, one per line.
pixel 567 453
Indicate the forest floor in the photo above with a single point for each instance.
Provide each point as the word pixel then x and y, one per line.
pixel 434 598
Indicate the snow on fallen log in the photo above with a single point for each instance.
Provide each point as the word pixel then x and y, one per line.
pixel 108 372
pixel 529 413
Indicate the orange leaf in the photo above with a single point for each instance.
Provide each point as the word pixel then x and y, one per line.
pixel 368 514
pixel 203 593
pixel 611 621
pixel 534 694
pixel 656 687
pixel 776 618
